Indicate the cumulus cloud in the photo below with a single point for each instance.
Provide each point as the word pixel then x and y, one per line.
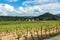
pixel 6 9
pixel 38 2
pixel 34 10
pixel 52 7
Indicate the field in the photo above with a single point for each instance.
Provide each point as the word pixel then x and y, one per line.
pixel 19 28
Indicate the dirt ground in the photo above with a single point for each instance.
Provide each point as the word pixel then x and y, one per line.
pixel 13 36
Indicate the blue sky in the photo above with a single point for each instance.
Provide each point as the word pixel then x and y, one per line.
pixel 13 3
pixel 28 7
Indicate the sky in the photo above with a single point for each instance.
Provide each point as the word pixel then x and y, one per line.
pixel 28 7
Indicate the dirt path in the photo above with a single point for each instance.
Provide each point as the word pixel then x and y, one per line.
pixel 54 38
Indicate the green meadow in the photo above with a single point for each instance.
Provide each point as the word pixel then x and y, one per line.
pixel 24 25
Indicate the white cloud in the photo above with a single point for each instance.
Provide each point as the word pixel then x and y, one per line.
pixel 8 7
pixel 5 9
pixel 38 2
pixel 9 10
pixel 52 7
pixel 12 0
pixel 35 10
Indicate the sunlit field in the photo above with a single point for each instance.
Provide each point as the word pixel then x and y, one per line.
pixel 24 25
pixel 23 30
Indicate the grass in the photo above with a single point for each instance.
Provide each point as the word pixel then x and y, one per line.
pixel 24 25
pixel 19 28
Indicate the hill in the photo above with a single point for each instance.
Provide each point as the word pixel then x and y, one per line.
pixel 48 16
pixel 45 16
pixel 58 15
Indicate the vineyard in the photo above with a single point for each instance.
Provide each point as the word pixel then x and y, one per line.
pixel 28 30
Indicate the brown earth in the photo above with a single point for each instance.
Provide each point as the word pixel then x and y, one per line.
pixel 13 35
